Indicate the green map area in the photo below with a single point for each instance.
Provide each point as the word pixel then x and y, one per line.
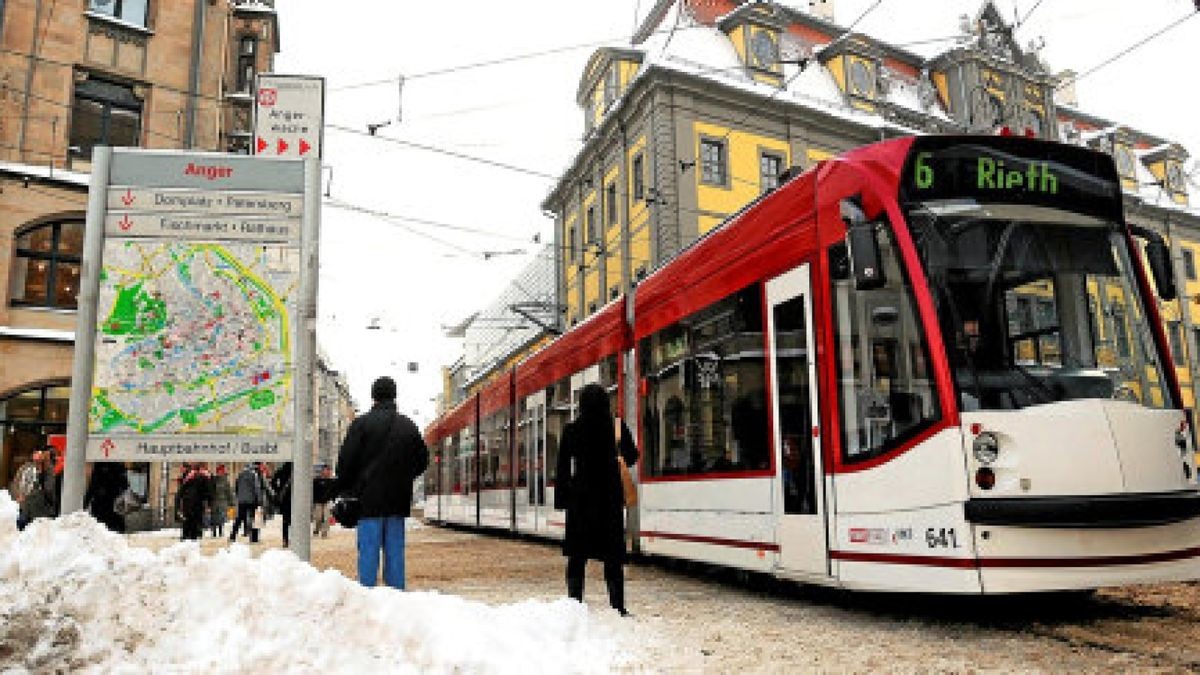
pixel 194 337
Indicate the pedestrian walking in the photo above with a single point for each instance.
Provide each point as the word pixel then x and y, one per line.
pixel 281 489
pixel 589 489
pixel 324 487
pixel 249 492
pixel 383 453
pixel 222 500
pixel 109 480
pixel 193 497
pixel 38 485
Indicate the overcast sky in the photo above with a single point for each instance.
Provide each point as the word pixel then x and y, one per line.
pixel 415 278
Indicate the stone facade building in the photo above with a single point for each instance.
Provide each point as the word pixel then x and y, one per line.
pixel 74 75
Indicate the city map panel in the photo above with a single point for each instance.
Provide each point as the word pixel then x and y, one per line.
pixel 193 350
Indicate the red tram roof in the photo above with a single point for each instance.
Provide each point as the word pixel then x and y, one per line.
pixel 602 334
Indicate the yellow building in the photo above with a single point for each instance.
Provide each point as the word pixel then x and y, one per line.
pixel 717 97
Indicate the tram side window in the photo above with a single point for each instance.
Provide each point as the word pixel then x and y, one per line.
pixel 523 423
pixel 704 408
pixel 558 413
pixel 886 394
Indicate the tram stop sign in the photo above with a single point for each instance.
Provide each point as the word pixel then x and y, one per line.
pixel 289 112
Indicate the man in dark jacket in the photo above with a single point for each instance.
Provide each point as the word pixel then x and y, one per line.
pixel 382 455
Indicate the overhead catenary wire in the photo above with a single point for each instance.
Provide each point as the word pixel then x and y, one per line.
pixel 1129 49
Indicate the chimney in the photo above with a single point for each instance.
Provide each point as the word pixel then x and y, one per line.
pixel 822 9
pixel 1065 93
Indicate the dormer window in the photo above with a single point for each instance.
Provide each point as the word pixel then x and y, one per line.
pixel 1125 161
pixel 862 78
pixel 764 50
pixel 611 84
pixel 1175 179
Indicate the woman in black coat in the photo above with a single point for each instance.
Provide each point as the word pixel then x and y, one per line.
pixel 589 488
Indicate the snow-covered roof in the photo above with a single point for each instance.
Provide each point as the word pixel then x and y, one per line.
pixel 39 171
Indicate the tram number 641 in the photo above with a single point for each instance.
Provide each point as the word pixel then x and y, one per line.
pixel 941 537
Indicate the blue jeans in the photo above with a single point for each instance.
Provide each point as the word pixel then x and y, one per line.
pixel 384 535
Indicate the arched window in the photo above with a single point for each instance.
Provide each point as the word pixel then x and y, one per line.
pixel 27 419
pixel 45 271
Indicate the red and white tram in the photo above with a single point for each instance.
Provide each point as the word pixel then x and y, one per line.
pixel 933 364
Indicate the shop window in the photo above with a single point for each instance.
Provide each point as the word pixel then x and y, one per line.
pixel 713 170
pixel 45 270
pixel 129 11
pixel 704 408
pixel 27 419
pixel 105 113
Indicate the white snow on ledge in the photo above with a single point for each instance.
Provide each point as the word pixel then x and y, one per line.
pixel 38 334
pixel 79 598
pixel 37 171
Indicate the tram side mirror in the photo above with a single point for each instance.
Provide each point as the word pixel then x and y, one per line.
pixel 866 260
pixel 1158 255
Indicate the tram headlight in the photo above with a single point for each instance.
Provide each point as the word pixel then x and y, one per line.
pixel 986 448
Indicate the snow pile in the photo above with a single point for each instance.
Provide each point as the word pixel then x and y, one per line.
pixel 77 597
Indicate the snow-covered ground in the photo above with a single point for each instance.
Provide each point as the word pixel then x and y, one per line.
pixel 79 598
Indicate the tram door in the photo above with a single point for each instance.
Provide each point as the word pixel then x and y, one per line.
pixel 535 469
pixel 799 495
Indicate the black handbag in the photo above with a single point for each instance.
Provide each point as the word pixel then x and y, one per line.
pixel 347 509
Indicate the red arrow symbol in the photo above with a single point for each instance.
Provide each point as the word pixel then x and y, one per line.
pixel 304 146
pixel 127 198
pixel 125 223
pixel 262 145
pixel 107 446
pixel 281 146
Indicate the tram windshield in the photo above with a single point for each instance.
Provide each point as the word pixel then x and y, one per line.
pixel 1036 305
pixel 1022 243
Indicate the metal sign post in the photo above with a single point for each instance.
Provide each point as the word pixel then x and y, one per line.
pixel 300 537
pixel 195 334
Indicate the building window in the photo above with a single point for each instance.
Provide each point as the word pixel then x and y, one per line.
pixel 1175 337
pixel 247 63
pixel 712 162
pixel 129 11
pixel 610 204
pixel 571 242
pixel 769 168
pixel 45 270
pixel 1189 264
pixel 105 113
pixel 592 237
pixel 27 419
pixel 639 177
